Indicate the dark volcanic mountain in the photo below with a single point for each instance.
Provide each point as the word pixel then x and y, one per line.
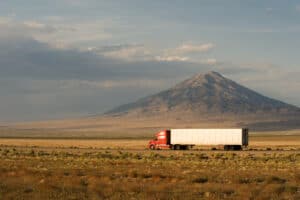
pixel 207 94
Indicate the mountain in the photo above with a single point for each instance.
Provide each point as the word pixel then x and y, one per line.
pixel 206 95
pixel 203 101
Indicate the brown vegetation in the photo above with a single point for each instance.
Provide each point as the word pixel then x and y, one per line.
pixel 112 173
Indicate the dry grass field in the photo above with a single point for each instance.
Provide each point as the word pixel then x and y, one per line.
pixel 124 169
pixel 257 142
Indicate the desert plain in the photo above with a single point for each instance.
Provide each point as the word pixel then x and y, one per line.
pixel 123 168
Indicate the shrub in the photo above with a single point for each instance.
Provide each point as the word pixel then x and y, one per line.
pixel 28 190
pixel 32 152
pixel 84 182
pixel 259 179
pixel 200 180
pixel 276 179
pixel 292 189
pixel 244 180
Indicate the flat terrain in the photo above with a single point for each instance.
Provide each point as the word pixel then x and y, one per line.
pixel 256 142
pixel 124 169
pixel 115 127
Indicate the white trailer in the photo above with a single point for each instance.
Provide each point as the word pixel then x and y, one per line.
pixel 231 139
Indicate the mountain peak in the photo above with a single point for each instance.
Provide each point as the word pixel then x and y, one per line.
pixel 202 79
pixel 210 74
pixel 205 94
pixel 214 74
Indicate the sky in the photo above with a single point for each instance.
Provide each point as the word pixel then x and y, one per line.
pixel 74 58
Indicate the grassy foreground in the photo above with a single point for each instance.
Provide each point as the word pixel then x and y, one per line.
pixel 35 173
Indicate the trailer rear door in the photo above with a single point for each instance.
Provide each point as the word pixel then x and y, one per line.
pixel 245 137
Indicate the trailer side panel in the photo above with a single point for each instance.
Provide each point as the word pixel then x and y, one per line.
pixel 208 137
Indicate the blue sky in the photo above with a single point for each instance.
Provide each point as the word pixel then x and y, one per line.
pixel 68 58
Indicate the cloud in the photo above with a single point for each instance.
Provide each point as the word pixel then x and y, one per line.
pixel 186 53
pixel 5 20
pixel 209 61
pixel 58 32
pixel 37 27
pixel 76 35
pixel 189 48
pixel 124 52
pixel 136 52
pixel 119 84
pixel 47 82
pixel 172 58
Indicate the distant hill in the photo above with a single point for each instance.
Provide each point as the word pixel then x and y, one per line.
pixel 207 95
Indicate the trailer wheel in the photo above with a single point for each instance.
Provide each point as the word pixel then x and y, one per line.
pixel 238 147
pixel 232 147
pixel 152 147
pixel 177 147
pixel 185 147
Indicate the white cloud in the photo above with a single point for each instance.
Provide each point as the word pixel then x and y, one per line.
pixel 34 24
pixel 129 52
pixel 172 58
pixel 143 53
pixel 190 48
pixel 63 34
pixel 186 53
pixel 37 28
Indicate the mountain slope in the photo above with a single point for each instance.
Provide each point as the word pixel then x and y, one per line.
pixel 206 94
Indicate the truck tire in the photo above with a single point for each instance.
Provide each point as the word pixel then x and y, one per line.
pixel 237 147
pixel 232 147
pixel 152 147
pixel 185 147
pixel 177 147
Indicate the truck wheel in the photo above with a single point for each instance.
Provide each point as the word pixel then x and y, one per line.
pixel 237 147
pixel 152 147
pixel 185 147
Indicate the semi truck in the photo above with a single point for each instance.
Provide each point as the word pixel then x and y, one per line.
pixel 182 139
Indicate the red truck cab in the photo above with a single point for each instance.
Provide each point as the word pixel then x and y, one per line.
pixel 161 140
